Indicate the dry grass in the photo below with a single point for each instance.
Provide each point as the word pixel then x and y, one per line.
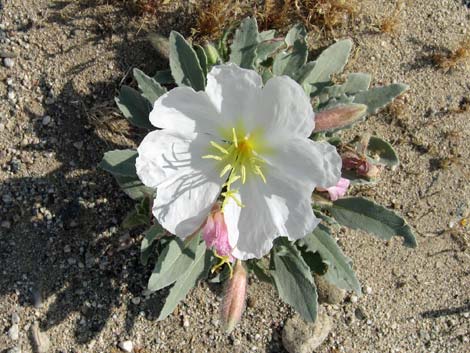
pixel 459 56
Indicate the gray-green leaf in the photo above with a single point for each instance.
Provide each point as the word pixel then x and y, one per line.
pixel 202 57
pixel 339 270
pixel 133 187
pixel 289 63
pixel 382 152
pixel 135 108
pixel 151 235
pixel 293 281
pixel 197 270
pixel 332 60
pixel 245 42
pixel 119 162
pixel 297 32
pixel 149 87
pixel 379 97
pixel 360 213
pixel 184 63
pixel 172 263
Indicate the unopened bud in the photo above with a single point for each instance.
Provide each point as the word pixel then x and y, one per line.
pixel 234 300
pixel 338 117
pixel 211 53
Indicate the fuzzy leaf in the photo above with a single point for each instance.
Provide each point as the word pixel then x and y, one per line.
pixel 149 87
pixel 332 60
pixel 133 187
pixel 163 77
pixel 184 63
pixel 202 57
pixel 134 107
pixel 293 281
pixel 151 235
pixel 360 213
pixel 378 97
pixel 195 271
pixel 172 263
pixel 339 270
pixel 119 162
pixel 384 151
pixel 297 32
pixel 289 63
pixel 245 42
pixel 266 35
pixel 356 82
pixel 267 48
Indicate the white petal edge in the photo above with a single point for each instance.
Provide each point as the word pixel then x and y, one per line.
pixel 184 200
pixel 285 109
pixel 235 92
pixel 310 162
pixel 162 154
pixel 184 110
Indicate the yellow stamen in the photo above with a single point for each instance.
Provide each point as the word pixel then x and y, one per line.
pixel 243 170
pixel 259 172
pixel 225 259
pixel 219 147
pixel 234 136
pixel 212 156
pixel 225 170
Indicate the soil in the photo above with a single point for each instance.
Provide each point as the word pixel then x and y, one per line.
pixel 67 264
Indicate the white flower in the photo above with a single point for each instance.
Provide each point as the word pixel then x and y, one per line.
pixel 245 143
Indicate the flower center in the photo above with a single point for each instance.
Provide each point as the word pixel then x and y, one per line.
pixel 238 159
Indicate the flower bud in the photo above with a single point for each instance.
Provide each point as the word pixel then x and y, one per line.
pixel 215 233
pixel 338 117
pixel 234 300
pixel 337 191
pixel 211 53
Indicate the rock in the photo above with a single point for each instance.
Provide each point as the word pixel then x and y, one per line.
pixel 40 339
pixel 126 346
pixel 14 332
pixel 9 62
pixel 16 349
pixel 15 318
pixel 46 120
pixel 299 336
pixel 327 292
pixel 135 300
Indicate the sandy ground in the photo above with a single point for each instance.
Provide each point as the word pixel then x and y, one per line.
pixel 66 264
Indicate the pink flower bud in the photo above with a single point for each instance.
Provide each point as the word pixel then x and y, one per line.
pixel 339 117
pixel 215 233
pixel 339 190
pixel 234 300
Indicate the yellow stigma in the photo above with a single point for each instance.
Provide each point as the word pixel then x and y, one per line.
pixel 238 157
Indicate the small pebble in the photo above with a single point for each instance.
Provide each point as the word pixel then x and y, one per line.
pixel 46 120
pixel 135 300
pixel 126 346
pixel 354 299
pixel 14 332
pixel 368 290
pixel 8 62
pixel 15 318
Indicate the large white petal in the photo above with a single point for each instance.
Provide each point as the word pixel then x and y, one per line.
pixel 161 154
pixel 281 207
pixel 235 92
pixel 285 109
pixel 184 110
pixel 185 199
pixel 309 162
pixel 250 229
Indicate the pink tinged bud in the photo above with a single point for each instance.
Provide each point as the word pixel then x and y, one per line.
pixel 339 117
pixel 234 300
pixel 215 234
pixel 339 190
